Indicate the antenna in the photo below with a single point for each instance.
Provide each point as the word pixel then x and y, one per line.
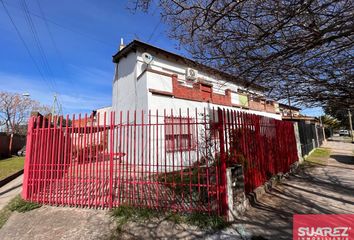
pixel 56 107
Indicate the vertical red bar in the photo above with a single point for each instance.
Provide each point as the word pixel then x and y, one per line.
pixel 209 186
pixel 65 171
pixel 49 144
pixel 217 190
pixel 149 160
pixel 78 167
pixel 179 140
pixel 35 162
pixel 71 163
pixel 157 157
pixel 90 161
pixel 165 150
pixel 28 158
pixel 104 162
pixel 59 168
pixel 143 200
pixel 128 161
pixel 135 185
pixel 173 148
pixel 189 146
pixel 111 127
pixel 222 165
pixel 40 161
pixel 96 184
pixel 197 148
pixel 83 175
pixel 120 158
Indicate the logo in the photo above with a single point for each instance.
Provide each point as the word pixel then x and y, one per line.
pixel 323 227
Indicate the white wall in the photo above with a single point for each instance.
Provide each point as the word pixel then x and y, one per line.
pixel 168 103
pixel 128 92
pixel 174 66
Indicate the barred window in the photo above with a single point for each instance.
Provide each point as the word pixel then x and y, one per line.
pixel 179 134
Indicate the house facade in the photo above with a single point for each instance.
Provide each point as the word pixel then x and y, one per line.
pixel 165 83
pixel 170 103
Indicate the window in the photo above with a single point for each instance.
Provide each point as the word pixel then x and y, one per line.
pixel 179 134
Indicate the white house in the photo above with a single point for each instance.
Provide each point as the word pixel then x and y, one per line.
pixel 150 78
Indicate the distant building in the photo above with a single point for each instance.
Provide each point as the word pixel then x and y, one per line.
pixel 288 111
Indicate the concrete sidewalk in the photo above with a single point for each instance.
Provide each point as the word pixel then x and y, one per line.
pixel 10 190
pixel 319 190
pixel 324 189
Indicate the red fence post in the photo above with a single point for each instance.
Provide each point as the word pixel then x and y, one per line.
pixel 222 187
pixel 28 158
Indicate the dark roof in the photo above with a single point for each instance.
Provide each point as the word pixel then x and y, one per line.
pixel 134 45
pixel 301 118
pixel 282 105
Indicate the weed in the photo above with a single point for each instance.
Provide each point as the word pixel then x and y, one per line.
pixel 5 213
pixel 124 214
pixel 16 204
pixel 20 205
pixel 205 221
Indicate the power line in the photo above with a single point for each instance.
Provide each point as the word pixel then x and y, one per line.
pixel 38 43
pixel 154 30
pixel 42 13
pixel 89 36
pixel 24 43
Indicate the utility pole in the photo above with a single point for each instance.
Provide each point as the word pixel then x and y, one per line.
pixel 350 124
pixel 323 130
pixel 289 102
pixel 56 107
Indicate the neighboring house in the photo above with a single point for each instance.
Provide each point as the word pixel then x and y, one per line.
pixel 311 132
pixel 287 111
pixel 171 81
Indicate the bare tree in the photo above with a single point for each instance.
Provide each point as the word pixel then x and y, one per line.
pixel 302 49
pixel 15 110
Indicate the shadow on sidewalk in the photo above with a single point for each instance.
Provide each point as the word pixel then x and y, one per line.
pixel 316 190
pixel 343 159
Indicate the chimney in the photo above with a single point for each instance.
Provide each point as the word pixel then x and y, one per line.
pixel 121 46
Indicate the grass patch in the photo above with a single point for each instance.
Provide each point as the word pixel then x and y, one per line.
pixel 205 221
pixel 318 156
pixel 5 213
pixel 125 214
pixel 20 205
pixel 10 166
pixel 16 204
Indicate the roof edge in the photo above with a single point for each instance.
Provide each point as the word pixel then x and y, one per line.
pixel 136 44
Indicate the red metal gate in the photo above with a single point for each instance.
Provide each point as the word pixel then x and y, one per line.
pixel 172 161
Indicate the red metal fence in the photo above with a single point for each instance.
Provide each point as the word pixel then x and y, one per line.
pixel 173 161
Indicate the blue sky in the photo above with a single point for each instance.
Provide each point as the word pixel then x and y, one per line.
pixel 78 39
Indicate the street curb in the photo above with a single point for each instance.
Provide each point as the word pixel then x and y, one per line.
pixel 10 178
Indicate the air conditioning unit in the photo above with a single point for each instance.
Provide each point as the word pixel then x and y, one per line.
pixel 191 74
